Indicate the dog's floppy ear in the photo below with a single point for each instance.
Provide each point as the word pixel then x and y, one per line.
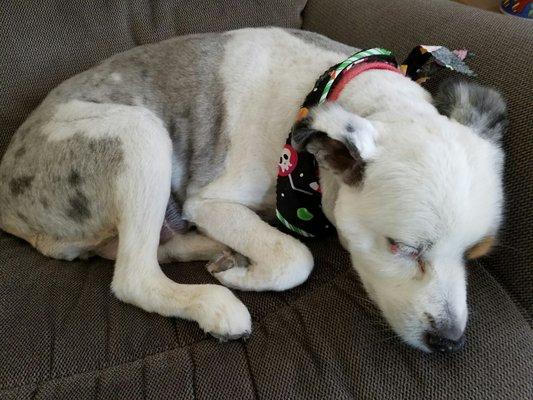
pixel 481 108
pixel 339 140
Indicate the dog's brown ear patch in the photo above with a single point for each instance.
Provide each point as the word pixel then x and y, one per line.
pixel 340 141
pixel 337 156
pixel 481 248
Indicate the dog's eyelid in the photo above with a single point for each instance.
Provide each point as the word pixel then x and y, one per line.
pixel 400 243
pixel 399 247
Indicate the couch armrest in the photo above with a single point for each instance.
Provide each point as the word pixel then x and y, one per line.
pixel 503 47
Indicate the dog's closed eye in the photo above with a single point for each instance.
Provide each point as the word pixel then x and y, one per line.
pixel 400 248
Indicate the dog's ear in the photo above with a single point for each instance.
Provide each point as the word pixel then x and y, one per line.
pixel 339 140
pixel 481 108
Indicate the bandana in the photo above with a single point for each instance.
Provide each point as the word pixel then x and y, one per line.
pixel 299 198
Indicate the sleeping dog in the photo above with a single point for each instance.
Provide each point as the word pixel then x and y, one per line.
pixel 120 160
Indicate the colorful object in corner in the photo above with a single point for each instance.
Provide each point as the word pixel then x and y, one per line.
pixel 299 198
pixel 518 8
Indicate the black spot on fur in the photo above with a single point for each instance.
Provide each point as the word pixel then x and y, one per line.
pixel 19 185
pixel 79 207
pixel 44 202
pixel 74 178
pixel 22 217
pixel 20 152
pixel 349 128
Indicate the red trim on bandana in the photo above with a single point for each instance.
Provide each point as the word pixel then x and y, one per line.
pixel 356 70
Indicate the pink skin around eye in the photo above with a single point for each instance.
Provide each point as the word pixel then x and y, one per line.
pixel 395 249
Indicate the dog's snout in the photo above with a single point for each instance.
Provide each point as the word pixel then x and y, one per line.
pixel 445 341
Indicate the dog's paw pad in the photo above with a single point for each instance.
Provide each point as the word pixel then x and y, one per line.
pixel 226 260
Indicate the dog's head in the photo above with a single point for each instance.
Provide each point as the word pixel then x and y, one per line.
pixel 414 197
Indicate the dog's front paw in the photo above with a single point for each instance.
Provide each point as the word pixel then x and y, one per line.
pixel 221 314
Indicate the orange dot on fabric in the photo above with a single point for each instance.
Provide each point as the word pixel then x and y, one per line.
pixel 302 113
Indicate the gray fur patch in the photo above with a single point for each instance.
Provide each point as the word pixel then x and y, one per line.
pixel 67 190
pixel 157 76
pixel 481 108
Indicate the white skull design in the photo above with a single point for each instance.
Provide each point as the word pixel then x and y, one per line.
pixel 285 160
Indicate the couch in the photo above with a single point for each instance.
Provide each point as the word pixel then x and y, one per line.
pixel 64 336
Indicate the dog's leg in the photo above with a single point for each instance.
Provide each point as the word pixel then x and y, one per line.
pixel 278 261
pixel 143 190
pixel 191 246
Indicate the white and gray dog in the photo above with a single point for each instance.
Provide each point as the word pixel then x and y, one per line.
pixel 191 129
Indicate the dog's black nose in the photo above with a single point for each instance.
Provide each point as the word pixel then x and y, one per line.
pixel 438 342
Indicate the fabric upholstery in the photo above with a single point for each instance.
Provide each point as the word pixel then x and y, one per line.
pixel 69 338
pixel 502 46
pixel 64 336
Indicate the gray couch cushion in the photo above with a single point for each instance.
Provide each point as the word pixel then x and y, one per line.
pixel 45 42
pixel 65 336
